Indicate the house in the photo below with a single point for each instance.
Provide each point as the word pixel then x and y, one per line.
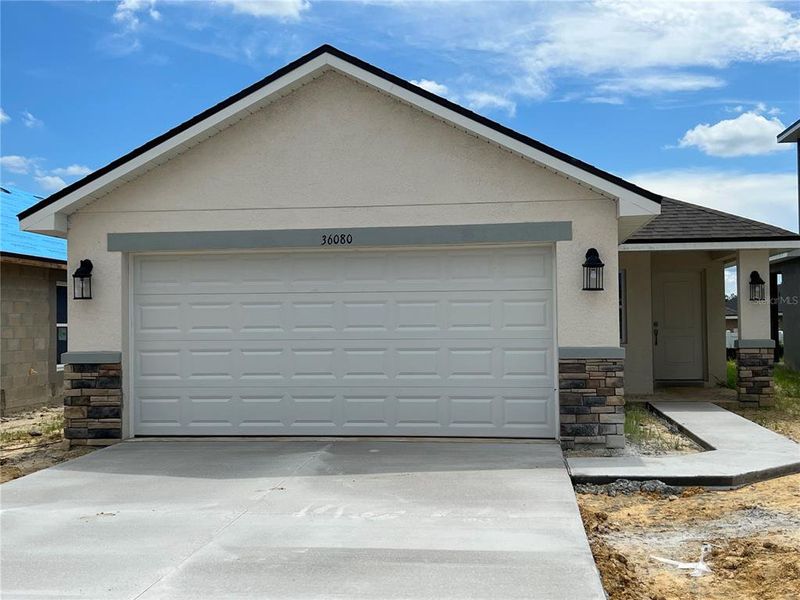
pixel 335 251
pixel 33 309
pixel 787 265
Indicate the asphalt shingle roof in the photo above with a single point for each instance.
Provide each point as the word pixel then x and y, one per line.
pixel 684 222
pixel 25 244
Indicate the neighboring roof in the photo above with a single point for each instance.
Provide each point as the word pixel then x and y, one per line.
pixel 732 307
pixel 25 244
pixel 790 135
pixel 684 222
pixel 394 82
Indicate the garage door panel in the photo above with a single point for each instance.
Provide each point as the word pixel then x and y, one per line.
pixel 371 411
pixel 429 342
pixel 346 270
pixel 345 315
pixel 450 363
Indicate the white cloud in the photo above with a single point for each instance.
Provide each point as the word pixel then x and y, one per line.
pixel 72 171
pixel 30 121
pixel 486 100
pixel 651 84
pixel 18 164
pixel 749 134
pixel 285 10
pixel 628 46
pixel 4 118
pixel 624 35
pixel 128 11
pixel 432 86
pixel 50 180
pixel 767 197
pixel 50 183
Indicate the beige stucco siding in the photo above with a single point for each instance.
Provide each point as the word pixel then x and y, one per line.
pixel 338 154
pixel 639 308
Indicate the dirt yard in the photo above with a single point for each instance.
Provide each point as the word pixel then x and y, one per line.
pixel 755 531
pixel 32 441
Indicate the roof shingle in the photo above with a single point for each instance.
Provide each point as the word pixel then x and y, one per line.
pixel 684 222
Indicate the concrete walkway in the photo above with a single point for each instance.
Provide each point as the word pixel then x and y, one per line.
pixel 739 452
pixel 299 519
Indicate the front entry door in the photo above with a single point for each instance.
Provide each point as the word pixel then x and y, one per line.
pixel 678 326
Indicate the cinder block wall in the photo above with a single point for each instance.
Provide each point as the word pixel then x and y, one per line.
pixel 28 375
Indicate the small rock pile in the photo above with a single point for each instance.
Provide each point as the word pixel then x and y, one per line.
pixel 626 487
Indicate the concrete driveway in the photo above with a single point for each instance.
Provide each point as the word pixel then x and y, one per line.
pixel 297 519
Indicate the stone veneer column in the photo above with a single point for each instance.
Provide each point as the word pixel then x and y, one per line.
pixel 754 373
pixel 93 403
pixel 592 402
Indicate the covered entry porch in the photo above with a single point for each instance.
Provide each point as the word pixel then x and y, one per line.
pixel 672 301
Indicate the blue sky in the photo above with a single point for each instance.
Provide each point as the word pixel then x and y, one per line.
pixel 683 98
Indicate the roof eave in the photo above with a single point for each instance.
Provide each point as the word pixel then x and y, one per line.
pixel 790 135
pixel 774 244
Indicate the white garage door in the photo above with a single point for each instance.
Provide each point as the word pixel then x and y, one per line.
pixel 402 342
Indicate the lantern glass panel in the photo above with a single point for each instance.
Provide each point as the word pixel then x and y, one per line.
pixel 82 288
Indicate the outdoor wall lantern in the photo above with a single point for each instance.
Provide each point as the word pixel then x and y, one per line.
pixel 758 289
pixel 82 281
pixel 593 271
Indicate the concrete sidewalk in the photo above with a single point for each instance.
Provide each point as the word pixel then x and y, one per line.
pixel 299 519
pixel 739 452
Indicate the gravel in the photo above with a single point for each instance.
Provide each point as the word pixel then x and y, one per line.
pixel 626 487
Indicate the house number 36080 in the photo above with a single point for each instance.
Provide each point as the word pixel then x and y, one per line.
pixel 337 239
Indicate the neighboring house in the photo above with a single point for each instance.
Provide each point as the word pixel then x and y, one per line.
pixel 731 314
pixel 335 251
pixel 33 299
pixel 788 266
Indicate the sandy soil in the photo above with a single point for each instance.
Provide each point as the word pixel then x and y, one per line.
pixel 756 531
pixel 22 451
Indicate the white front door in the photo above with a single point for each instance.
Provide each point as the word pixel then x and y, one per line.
pixel 447 342
pixel 678 326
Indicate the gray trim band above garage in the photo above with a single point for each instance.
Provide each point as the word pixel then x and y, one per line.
pixel 91 358
pixel 754 343
pixel 429 235
pixel 591 352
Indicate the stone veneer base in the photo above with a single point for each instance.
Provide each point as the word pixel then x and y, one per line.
pixel 93 404
pixel 754 383
pixel 592 402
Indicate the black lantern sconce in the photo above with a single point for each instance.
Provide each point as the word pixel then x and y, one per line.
pixel 593 271
pixel 758 289
pixel 82 281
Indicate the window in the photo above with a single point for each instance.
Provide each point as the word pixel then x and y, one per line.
pixel 623 308
pixel 61 321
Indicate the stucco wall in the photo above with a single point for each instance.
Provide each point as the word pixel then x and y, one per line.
pixel 639 347
pixel 753 316
pixel 28 373
pixel 338 154
pixel 641 266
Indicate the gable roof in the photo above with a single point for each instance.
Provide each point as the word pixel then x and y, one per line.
pixel 25 244
pixel 684 222
pixel 286 79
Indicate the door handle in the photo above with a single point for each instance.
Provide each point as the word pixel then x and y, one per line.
pixel 655 333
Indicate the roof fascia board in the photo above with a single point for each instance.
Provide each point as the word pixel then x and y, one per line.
pixel 790 135
pixel 287 82
pixel 733 245
pixel 630 203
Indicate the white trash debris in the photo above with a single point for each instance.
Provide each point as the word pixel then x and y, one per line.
pixel 699 568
